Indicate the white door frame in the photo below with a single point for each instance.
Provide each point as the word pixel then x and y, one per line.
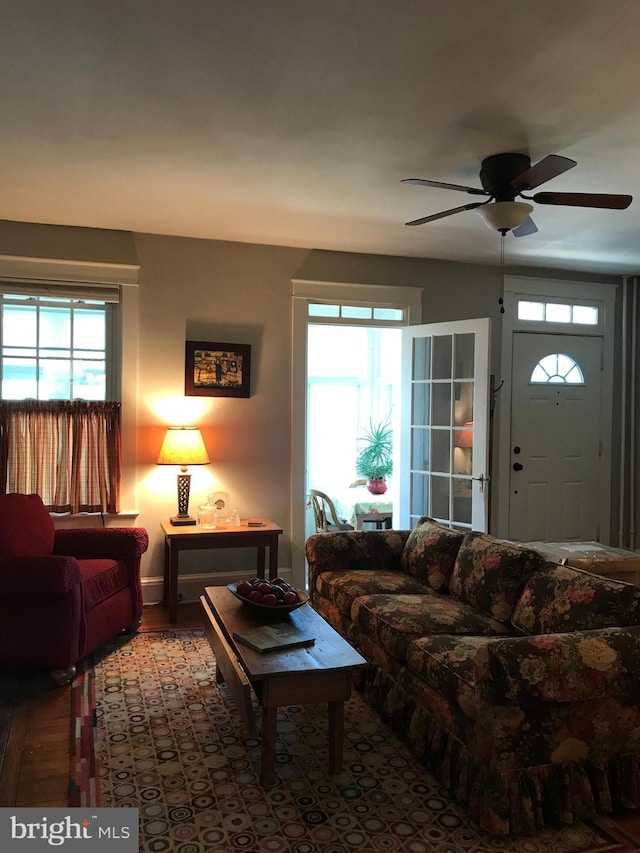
pixel 553 290
pixel 305 291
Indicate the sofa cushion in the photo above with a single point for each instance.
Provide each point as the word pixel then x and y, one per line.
pixel 394 621
pixel 560 598
pixel 490 574
pixel 447 664
pixel 430 552
pixel 342 588
pixel 101 579
pixel 26 528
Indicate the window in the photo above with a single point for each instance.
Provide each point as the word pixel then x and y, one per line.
pixel 558 312
pixel 366 313
pixel 59 418
pixel 56 347
pixel 557 368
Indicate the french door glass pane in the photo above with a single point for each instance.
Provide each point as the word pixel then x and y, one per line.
pixel 441 451
pixel 464 366
pixel 421 358
pixel 420 408
pixel 441 415
pixel 440 497
pixel 420 449
pixel 442 356
pixel 419 497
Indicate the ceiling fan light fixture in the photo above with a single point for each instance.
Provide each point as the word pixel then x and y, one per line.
pixel 504 216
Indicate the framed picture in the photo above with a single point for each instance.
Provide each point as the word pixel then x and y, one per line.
pixel 217 369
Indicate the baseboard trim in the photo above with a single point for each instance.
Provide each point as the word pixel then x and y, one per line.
pixel 190 586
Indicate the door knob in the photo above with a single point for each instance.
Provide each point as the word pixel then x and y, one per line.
pixel 517 466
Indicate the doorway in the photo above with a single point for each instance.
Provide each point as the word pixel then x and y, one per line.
pixel 554 411
pixel 353 381
pixel 556 435
pixel 334 304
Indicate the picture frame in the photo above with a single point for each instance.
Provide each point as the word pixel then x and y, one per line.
pixel 214 369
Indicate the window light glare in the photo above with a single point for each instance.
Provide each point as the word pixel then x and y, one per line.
pixel 388 314
pixel 354 312
pixel 556 313
pixel 530 310
pixel 321 310
pixel 587 315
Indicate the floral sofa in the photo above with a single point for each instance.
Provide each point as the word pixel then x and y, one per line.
pixel 516 680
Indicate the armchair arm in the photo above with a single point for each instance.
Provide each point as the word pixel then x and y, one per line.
pixel 28 577
pixel 575 667
pixel 93 543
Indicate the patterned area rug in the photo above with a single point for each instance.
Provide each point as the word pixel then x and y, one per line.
pixel 151 729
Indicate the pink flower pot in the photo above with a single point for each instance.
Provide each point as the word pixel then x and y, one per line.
pixel 377 487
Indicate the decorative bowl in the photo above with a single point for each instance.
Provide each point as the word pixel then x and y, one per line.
pixel 303 597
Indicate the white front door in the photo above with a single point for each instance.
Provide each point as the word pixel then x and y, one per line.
pixel 445 424
pixel 555 461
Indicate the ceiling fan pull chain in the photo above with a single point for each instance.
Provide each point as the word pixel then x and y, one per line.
pixel 501 299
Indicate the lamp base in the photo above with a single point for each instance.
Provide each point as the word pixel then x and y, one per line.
pixel 182 520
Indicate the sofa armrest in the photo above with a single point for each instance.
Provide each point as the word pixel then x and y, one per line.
pixel 26 578
pixel 94 543
pixel 354 549
pixel 573 667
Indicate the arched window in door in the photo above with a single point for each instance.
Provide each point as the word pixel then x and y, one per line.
pixel 557 368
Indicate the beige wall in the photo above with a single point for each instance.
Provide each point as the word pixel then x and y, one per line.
pixel 217 291
pixel 239 293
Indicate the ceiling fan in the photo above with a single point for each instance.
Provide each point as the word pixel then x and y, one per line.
pixel 503 178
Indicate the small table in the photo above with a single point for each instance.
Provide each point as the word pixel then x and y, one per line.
pixel 359 506
pixel 290 676
pixel 195 538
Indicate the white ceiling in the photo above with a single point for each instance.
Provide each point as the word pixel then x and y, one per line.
pixel 293 122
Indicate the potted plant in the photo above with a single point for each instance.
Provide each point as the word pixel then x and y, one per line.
pixel 374 460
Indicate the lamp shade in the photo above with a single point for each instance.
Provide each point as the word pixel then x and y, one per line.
pixel 464 437
pixel 504 215
pixel 183 446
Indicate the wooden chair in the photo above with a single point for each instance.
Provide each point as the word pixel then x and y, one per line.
pixel 325 514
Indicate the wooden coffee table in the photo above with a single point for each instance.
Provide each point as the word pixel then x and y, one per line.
pixel 291 676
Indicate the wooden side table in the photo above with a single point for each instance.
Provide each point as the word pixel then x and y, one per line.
pixel 195 538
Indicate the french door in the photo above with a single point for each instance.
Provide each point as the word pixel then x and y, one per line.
pixel 445 424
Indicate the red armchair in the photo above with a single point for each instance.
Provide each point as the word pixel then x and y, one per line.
pixel 63 593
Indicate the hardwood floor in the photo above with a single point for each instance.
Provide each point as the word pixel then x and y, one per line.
pixel 36 767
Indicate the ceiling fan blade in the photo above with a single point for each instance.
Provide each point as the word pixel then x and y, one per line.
pixel 444 213
pixel 606 200
pixel 527 227
pixel 422 182
pixel 549 167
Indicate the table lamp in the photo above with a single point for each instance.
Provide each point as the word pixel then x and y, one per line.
pixel 183 446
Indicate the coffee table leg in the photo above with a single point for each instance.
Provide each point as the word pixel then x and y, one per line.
pixel 268 768
pixel 336 736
